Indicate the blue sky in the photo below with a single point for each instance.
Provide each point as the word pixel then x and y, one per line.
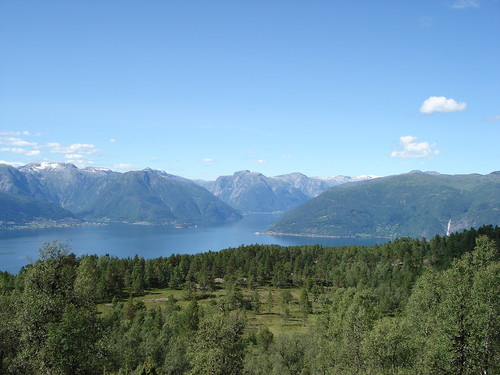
pixel 206 88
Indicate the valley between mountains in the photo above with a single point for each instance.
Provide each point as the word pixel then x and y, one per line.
pixel 412 204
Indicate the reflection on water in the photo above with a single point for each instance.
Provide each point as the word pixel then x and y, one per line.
pixel 121 240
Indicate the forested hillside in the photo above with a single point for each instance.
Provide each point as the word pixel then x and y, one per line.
pixel 415 204
pixel 406 307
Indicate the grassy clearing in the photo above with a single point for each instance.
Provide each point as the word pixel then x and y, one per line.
pixel 278 317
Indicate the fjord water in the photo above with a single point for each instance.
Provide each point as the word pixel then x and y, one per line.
pixel 20 247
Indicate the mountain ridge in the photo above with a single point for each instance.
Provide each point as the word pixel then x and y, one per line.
pixel 254 192
pixel 156 197
pixel 416 204
pixel 99 194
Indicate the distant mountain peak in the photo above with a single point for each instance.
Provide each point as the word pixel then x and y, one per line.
pixel 42 165
pixel 100 194
pixel 165 174
pixel 97 170
pixel 343 179
pixel 293 174
pixel 246 172
pixel 417 171
pixel 365 177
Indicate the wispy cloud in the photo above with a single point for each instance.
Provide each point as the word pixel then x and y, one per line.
pixel 74 156
pixel 492 119
pixel 441 104
pixel 207 160
pixel 19 150
pixel 76 148
pixel 12 163
pixel 426 21
pixel 411 148
pixel 80 154
pixel 260 161
pixel 124 167
pixel 14 141
pixel 464 4
pixel 81 162
pixel 16 133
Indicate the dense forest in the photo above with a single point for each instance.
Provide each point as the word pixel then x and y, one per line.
pixel 410 306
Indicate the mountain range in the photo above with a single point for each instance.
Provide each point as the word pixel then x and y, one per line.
pixel 97 194
pixel 253 192
pixel 415 204
pixel 61 191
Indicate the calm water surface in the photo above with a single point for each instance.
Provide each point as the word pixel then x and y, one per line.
pixel 18 248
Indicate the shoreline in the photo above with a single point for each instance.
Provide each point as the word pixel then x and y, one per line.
pixel 271 233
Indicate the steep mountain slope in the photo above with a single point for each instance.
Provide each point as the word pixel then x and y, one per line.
pixel 13 181
pixel 21 209
pixel 151 197
pixel 253 192
pixel 314 186
pixel 100 194
pixel 414 204
pixel 64 183
pixel 309 186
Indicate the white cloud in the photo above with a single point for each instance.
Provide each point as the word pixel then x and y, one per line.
pixel 463 4
pixel 15 133
pixel 14 141
pixel 207 160
pixel 441 104
pixel 112 140
pixel 261 161
pixel 73 156
pixel 18 150
pixel 81 162
pixel 414 149
pixel 12 163
pixel 76 148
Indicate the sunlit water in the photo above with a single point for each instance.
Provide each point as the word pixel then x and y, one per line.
pixel 18 248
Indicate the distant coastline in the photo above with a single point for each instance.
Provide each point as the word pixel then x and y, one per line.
pixel 271 233
pixel 46 224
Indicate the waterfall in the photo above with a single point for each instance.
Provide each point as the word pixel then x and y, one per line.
pixel 448 231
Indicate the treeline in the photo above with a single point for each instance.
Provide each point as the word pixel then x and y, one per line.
pixel 411 306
